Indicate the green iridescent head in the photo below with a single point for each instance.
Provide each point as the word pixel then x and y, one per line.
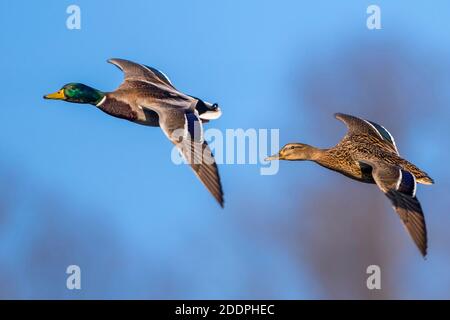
pixel 77 93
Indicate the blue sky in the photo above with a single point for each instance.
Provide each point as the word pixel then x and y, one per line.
pixel 149 228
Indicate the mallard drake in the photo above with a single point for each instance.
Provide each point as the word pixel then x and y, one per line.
pixel 368 154
pixel 148 97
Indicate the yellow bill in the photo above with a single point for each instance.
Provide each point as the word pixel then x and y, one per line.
pixel 59 95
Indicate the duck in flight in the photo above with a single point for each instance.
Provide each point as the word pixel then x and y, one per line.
pixel 147 97
pixel 368 154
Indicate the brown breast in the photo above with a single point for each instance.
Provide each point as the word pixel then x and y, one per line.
pixel 341 159
pixel 118 108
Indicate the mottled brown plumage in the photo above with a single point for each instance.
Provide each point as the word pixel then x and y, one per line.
pixel 368 154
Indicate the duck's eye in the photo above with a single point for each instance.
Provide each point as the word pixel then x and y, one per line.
pixel 292 147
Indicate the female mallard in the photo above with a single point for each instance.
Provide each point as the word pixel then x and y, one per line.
pixel 147 97
pixel 368 154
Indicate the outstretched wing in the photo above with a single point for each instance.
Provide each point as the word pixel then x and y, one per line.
pixel 400 187
pixel 184 129
pixel 202 162
pixel 161 76
pixel 138 72
pixel 357 126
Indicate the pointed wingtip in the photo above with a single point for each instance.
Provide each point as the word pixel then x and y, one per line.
pixel 424 253
pixel 114 61
pixel 219 198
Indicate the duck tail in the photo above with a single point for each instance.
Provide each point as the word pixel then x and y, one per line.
pixel 207 111
pixel 211 114
pixel 421 176
pixel 425 180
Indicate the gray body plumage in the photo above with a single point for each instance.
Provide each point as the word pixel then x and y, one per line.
pixel 147 97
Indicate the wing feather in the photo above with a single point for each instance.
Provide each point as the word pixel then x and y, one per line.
pixel 400 186
pixel 194 149
pixel 357 126
pixel 137 72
